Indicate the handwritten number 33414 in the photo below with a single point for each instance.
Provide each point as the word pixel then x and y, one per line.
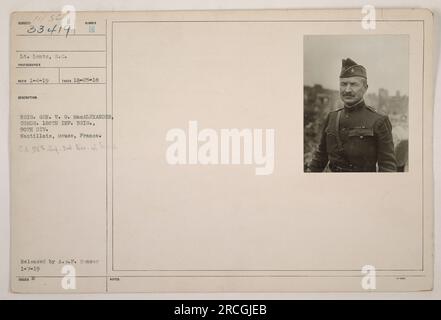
pixel 55 29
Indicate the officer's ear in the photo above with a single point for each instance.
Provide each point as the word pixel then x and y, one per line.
pixel 366 84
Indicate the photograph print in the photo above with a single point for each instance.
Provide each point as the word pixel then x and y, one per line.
pixel 356 96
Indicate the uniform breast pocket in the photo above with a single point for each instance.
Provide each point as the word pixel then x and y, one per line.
pixel 361 133
pixel 361 141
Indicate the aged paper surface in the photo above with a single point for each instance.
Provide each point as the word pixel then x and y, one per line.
pixel 121 181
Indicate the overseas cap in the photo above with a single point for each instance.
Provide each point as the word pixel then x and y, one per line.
pixel 349 68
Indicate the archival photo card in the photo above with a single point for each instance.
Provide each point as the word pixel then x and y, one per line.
pixel 221 151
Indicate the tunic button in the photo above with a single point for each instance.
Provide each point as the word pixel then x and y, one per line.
pixel 361 137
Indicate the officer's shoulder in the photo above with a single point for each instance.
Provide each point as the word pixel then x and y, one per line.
pixel 336 110
pixel 375 112
pixel 333 114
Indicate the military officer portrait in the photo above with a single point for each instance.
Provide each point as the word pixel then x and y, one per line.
pixel 355 137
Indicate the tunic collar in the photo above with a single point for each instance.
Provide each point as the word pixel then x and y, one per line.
pixel 356 106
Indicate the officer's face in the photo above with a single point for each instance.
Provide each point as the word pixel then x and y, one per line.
pixel 352 89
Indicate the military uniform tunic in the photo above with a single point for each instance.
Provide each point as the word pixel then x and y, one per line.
pixel 361 143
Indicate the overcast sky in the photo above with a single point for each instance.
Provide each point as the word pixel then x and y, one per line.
pixel 385 57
